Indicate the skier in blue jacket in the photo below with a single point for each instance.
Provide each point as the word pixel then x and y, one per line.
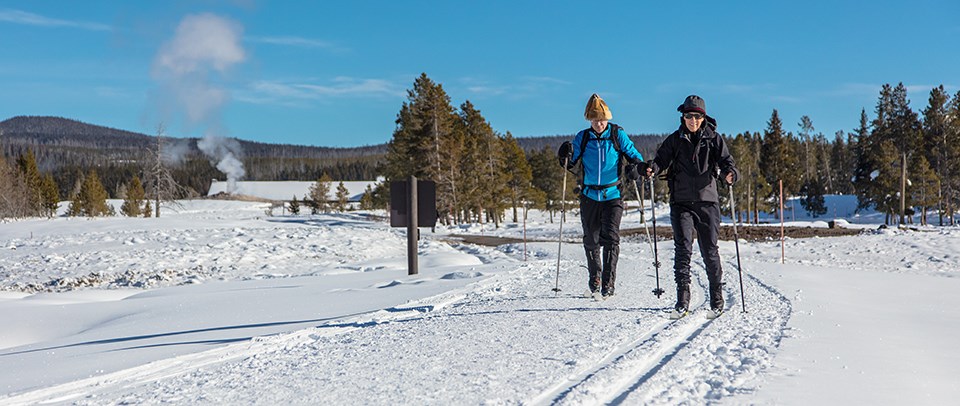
pixel 599 150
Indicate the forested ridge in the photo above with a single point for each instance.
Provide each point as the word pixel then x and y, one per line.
pixel 68 148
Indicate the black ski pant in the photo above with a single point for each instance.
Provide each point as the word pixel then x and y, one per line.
pixel 601 228
pixel 704 218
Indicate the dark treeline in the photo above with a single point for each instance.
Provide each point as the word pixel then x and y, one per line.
pixel 68 149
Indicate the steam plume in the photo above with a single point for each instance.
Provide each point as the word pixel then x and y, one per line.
pixel 203 50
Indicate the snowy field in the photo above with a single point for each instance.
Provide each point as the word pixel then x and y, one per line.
pixel 222 303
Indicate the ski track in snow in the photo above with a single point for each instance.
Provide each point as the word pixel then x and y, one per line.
pixel 506 339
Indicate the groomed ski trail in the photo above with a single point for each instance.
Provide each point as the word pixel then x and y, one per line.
pixel 506 339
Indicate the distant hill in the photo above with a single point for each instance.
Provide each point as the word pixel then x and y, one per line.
pixel 57 132
pixel 67 148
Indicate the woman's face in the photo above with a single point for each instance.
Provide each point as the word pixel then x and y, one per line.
pixel 598 125
pixel 693 121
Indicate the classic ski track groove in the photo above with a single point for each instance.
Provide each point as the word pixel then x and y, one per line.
pixel 622 363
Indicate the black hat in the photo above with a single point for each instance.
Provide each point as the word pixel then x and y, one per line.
pixel 693 103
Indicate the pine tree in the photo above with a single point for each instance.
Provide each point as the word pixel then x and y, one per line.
pixel 907 137
pixel 342 198
pixel 936 131
pixel 950 179
pixel 518 173
pixel 881 172
pixel 426 143
pixel 319 193
pixel 842 162
pixel 813 201
pixel 133 202
pixel 366 201
pixel 752 189
pixel 777 160
pixel 863 166
pixel 924 186
pixel 295 206
pixel 147 210
pixel 49 196
pixel 27 163
pixel 91 201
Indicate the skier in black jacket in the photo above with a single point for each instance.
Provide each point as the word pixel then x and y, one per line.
pixel 694 157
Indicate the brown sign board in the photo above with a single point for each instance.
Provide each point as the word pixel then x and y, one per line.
pixel 426 203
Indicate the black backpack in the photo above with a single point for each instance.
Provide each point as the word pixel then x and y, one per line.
pixel 589 135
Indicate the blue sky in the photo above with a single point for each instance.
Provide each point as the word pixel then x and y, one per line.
pixel 336 73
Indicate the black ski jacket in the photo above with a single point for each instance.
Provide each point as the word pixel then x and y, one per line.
pixel 694 162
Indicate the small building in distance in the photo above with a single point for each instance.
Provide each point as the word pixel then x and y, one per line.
pixel 284 191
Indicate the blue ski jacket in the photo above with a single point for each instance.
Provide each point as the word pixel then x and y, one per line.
pixel 600 161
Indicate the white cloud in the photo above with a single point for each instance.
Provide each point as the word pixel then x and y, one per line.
pixel 488 90
pixel 295 42
pixel 524 87
pixel 289 93
pixel 23 17
pixel 202 41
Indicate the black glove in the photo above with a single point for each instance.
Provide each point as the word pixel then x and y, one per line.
pixel 565 153
pixel 636 170
pixel 727 178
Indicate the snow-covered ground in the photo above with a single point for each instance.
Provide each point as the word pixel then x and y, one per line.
pixel 221 303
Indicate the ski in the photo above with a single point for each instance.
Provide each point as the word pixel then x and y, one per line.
pixel 712 314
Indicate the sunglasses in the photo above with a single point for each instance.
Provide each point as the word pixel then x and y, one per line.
pixel 692 116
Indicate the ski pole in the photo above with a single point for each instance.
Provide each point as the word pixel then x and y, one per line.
pixel 563 198
pixel 647 230
pixel 643 218
pixel 656 257
pixel 736 243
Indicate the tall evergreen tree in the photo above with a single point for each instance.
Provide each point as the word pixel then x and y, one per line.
pixel 863 166
pixel 49 196
pixel 366 201
pixel 907 137
pixel 473 162
pixel 426 143
pixel 777 160
pixel 936 132
pixel 518 173
pixel 894 137
pixel 133 202
pixel 924 186
pixel 27 163
pixel 91 201
pixel 842 162
pixel 319 194
pixel 342 197
pixel 752 189
pixel 951 172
